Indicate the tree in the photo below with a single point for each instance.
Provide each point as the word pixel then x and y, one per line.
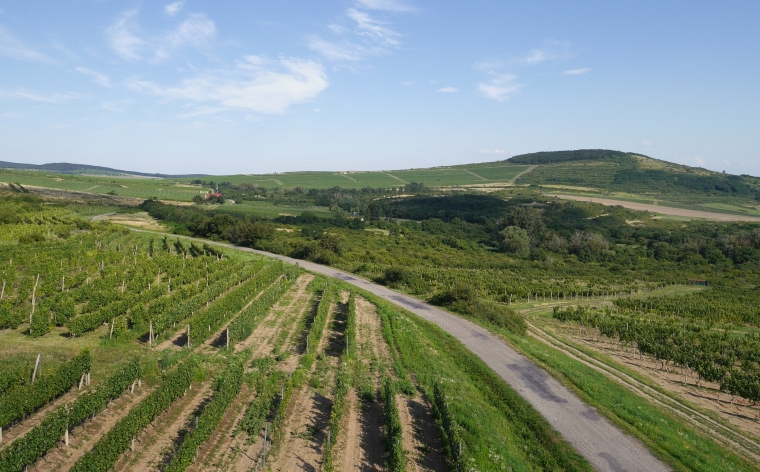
pixel 514 240
pixel 531 220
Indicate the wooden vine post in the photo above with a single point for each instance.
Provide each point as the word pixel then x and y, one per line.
pixel 36 367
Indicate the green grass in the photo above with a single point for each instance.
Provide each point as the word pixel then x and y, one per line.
pixel 269 209
pixel 670 439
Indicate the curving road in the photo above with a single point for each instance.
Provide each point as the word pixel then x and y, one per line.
pixel 593 436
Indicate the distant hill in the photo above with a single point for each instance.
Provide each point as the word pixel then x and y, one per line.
pixel 67 168
pixel 615 171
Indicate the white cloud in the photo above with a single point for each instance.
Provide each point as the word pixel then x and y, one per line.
pixel 500 87
pixel 14 48
pixel 386 5
pixel 552 51
pixel 196 31
pixel 122 36
pixel 374 29
pixel 117 105
pixel 448 90
pixel 341 51
pixel 577 71
pixel 56 97
pixel 407 83
pixel 694 161
pixel 97 77
pixel 646 143
pixel 255 84
pixel 365 37
pixel 492 151
pixel 174 8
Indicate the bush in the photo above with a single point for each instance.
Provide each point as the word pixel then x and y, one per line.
pixel 514 240
pixel 460 292
pixel 493 313
pixel 31 238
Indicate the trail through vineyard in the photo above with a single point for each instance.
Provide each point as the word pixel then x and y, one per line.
pixel 155 441
pixel 226 444
pixel 21 428
pixel 219 339
pixel 309 411
pixel 84 437
pixel 743 436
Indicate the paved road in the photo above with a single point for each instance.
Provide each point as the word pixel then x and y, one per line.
pixel 602 444
pixel 662 210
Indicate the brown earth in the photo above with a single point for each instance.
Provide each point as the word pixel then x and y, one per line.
pixel 159 437
pixel 85 436
pixel 422 441
pixel 225 443
pixel 308 414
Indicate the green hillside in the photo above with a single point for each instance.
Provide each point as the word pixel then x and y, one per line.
pixel 633 173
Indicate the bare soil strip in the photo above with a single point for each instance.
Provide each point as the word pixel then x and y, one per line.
pixel 206 347
pixel 663 210
pixel 20 429
pixel 160 437
pixel 308 414
pixel 84 437
pixel 420 433
pixel 421 439
pixel 224 443
pixel 732 438
pixel 266 332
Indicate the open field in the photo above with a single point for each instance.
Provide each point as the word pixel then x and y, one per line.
pixel 662 209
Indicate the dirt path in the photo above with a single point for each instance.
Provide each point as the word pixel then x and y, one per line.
pixel 420 432
pixel 224 445
pixel 175 341
pixel 733 438
pixel 21 428
pixel 270 326
pixel 308 414
pixel 160 437
pixel 84 437
pixel 663 210
pixel 360 446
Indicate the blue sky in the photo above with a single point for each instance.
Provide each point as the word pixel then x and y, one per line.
pixel 255 86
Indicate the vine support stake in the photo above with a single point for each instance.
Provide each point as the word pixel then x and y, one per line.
pixel 36 367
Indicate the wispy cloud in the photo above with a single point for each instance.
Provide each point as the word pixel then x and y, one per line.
pixel 56 97
pixel 387 5
pixel 577 71
pixel 694 161
pixel 448 90
pixel 375 30
pixel 255 84
pixel 122 36
pixel 646 143
pixel 196 31
pixel 97 77
pixel 174 8
pixel 501 87
pixel 116 105
pixel 12 47
pixel 361 36
pixel 492 151
pixel 551 51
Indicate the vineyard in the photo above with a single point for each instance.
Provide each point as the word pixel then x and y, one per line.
pixel 160 354
pixel 128 350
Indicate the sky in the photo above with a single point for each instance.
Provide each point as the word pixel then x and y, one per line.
pixel 255 86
